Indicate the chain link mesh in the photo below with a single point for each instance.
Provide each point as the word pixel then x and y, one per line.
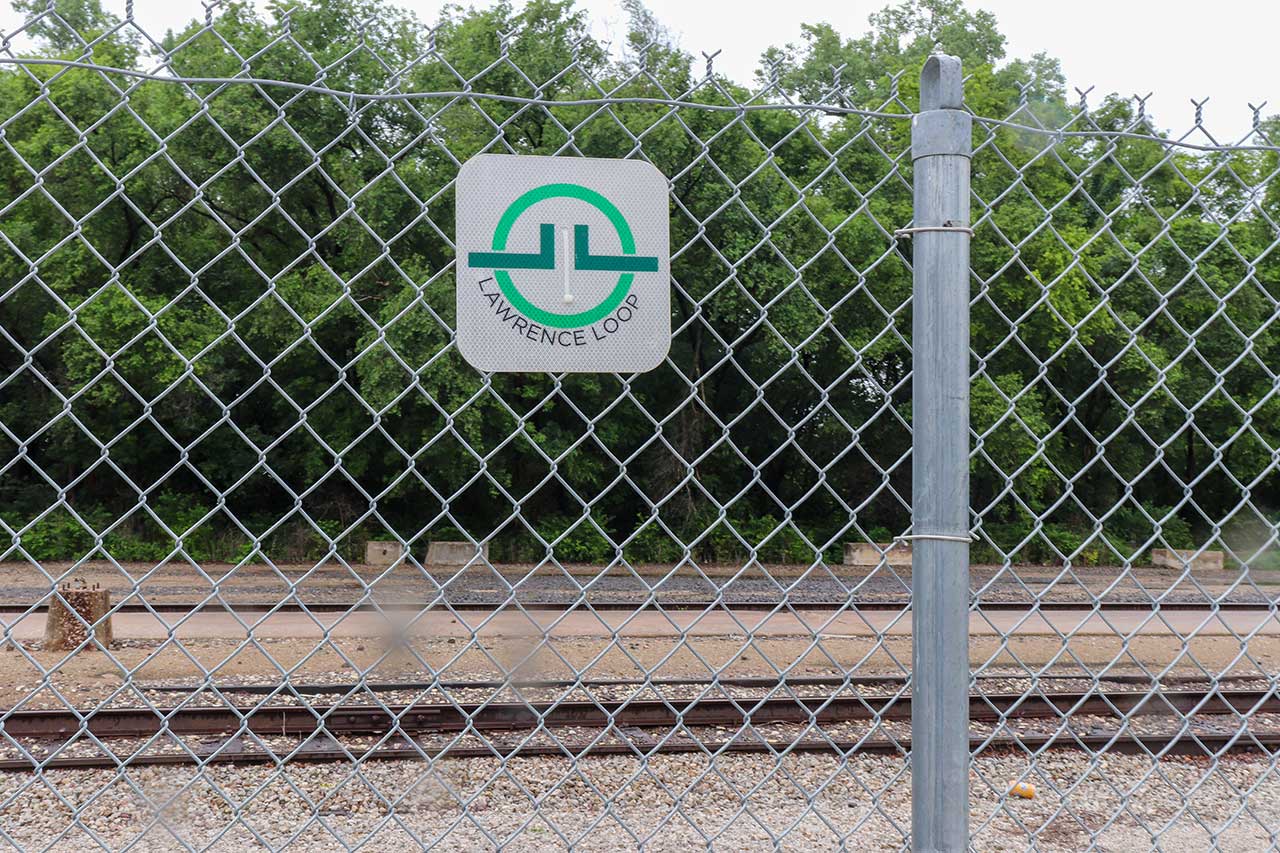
pixel 227 363
pixel 1159 368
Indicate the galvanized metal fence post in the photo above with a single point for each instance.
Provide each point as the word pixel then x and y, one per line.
pixel 940 149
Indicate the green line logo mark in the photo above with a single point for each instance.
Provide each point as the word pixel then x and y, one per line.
pixel 503 262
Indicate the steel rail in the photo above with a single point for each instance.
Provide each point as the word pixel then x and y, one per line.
pixel 318 688
pixel 445 717
pixel 633 605
pixel 1183 743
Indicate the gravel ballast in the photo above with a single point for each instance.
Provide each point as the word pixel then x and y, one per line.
pixel 745 802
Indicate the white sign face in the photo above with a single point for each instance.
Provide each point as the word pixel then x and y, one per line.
pixel 564 264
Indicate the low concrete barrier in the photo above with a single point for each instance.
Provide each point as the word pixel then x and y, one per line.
pixel 866 554
pixel 382 553
pixel 1205 561
pixel 453 553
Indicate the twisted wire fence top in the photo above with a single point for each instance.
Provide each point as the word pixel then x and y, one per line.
pixel 161 61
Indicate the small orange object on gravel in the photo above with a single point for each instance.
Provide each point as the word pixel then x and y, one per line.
pixel 1025 790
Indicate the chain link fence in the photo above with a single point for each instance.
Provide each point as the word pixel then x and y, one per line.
pixel 230 395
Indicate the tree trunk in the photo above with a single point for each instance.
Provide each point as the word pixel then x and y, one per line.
pixel 63 631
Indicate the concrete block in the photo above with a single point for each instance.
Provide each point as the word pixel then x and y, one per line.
pixel 382 553
pixel 453 553
pixel 866 554
pixel 63 631
pixel 1206 561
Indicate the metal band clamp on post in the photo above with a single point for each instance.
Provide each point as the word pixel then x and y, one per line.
pixel 941 537
pixel 905 233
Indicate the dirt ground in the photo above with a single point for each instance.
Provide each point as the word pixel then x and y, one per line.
pixel 478 647
pixel 34 677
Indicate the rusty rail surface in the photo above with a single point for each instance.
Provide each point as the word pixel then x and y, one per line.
pixel 443 605
pixel 1207 745
pixel 442 717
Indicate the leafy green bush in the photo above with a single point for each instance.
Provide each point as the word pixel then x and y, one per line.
pixel 582 544
pixel 138 538
pixel 57 536
pixel 879 534
pixel 653 545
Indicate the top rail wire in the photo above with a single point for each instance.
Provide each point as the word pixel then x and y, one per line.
pixel 829 109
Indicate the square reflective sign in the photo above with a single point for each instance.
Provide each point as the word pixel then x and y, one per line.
pixel 563 264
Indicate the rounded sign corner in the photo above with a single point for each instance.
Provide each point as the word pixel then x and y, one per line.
pixel 659 356
pixel 474 359
pixel 478 160
pixel 655 173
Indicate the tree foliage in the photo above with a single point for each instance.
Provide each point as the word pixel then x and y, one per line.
pixel 227 309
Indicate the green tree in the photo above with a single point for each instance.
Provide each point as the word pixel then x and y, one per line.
pixel 227 309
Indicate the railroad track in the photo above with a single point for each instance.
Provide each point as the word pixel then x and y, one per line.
pixel 760 682
pixel 1117 742
pixel 647 713
pixel 450 717
pixel 318 725
pixel 640 604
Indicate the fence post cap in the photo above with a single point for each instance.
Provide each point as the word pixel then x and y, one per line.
pixel 941 83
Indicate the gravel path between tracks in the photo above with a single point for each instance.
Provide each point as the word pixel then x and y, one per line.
pixel 745 803
pixel 23 584
pixel 33 678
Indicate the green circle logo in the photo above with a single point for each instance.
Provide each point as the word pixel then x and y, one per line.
pixel 502 262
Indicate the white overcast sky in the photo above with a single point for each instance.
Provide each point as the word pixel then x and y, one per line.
pixel 1225 50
